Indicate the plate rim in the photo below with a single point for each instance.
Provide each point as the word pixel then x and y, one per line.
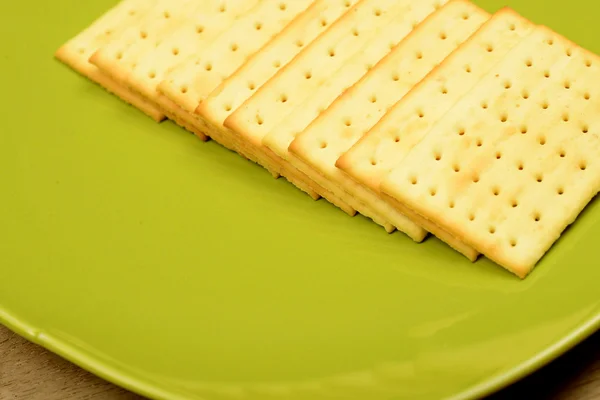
pixel 144 387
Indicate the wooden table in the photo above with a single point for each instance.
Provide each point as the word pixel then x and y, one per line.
pixel 30 372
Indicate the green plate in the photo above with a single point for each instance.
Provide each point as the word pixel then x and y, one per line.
pixel 178 270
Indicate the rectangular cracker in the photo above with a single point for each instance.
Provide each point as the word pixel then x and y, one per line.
pixel 377 152
pixel 240 86
pixel 524 141
pixel 149 52
pixel 186 86
pixel 325 69
pixel 236 89
pixel 76 52
pixel 336 129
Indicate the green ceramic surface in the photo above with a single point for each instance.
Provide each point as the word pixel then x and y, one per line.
pixel 178 270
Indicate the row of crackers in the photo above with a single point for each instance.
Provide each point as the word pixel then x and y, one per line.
pixel 427 116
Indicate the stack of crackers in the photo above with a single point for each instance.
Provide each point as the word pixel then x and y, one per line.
pixel 427 116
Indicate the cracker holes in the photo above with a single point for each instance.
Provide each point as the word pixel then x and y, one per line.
pixel 456 168
pixel 471 217
pixel 537 216
pixel 588 63
pixel 514 203
pixel 539 178
pixel 479 142
pixel 567 85
pixel 525 94
pixel 184 89
pixel 585 129
pixel 119 55
pixel 152 75
pixel 227 107
pixel 373 99
pixel 355 32
pixel 419 55
pixel 520 166
pixel 451 204
pixel 283 98
pixel 468 69
pixel 507 85
pixel 308 75
pixel 489 48
pixel 433 192
pixel 396 139
pixel 166 15
pixel 347 122
pixel 251 86
pixel 549 41
pixel 461 132
pixel 582 165
pixel 258 26
pixel 222 8
pixel 373 162
pixel 259 120
pixel 542 140
pixel 276 64
pixel 512 242
pixel 323 22
pixel 523 129
pixel 498 155
pixel 560 191
pixel 437 156
pixel 323 145
pixel 476 178
pixel 199 29
pixel 331 52
pixel 492 230
pixel 565 117
pixel 569 52
pixel 283 6
pixel 484 105
pixel 586 96
pixel 347 3
pixel 420 114
pixel 377 12
pixel 234 47
pixel 299 43
pixel 546 74
pixel 562 153
pixel 208 67
pixel 443 36
pixel 529 63
pixel 444 90
pixel 395 77
pixel 503 118
pixel 143 35
pixel 465 16
pixel 545 105
pixel 175 51
pixel 496 191
pixel 413 180
pixel 512 27
pixel 437 5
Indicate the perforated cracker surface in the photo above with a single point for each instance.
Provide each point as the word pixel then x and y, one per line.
pixel 514 162
pixel 388 142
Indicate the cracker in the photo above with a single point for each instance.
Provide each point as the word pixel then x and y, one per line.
pixel 148 56
pixel 186 86
pixel 377 152
pixel 77 51
pixel 324 69
pixel 524 141
pixel 336 129
pixel 261 67
pixel 232 92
